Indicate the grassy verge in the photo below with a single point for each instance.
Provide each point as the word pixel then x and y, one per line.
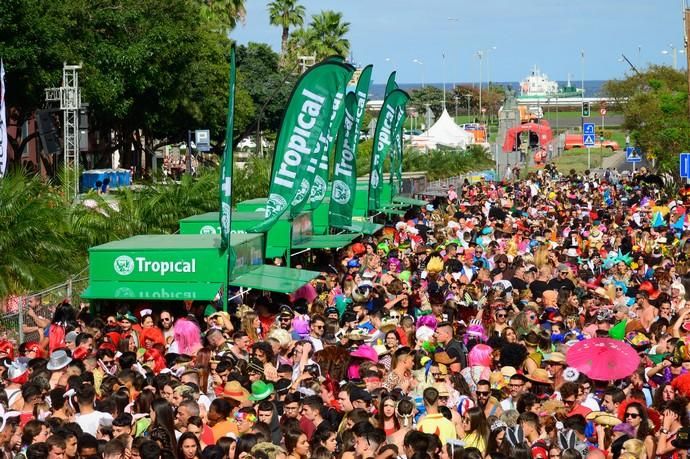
pixel 577 158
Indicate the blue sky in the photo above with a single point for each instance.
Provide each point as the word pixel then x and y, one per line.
pixel 549 33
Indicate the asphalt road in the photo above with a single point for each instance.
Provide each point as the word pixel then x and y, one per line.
pixel 571 121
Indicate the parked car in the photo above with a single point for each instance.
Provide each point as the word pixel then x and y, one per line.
pixel 248 143
pixel 575 141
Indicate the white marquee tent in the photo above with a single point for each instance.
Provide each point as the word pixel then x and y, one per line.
pixel 445 132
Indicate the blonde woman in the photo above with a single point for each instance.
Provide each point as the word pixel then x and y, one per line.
pixel 635 448
pixel 251 325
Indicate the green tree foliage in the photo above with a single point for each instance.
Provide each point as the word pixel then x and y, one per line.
pixel 151 68
pixel 431 95
pixel 222 14
pixel 267 86
pixel 35 247
pixel 285 14
pixel 251 181
pixel 437 163
pixel 655 105
pixel 324 37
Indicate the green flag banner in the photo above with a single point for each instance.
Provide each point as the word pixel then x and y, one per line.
pixel 307 118
pixel 345 170
pixel 401 147
pixel 324 147
pixel 387 127
pixel 225 182
pixel 391 84
pixel 396 154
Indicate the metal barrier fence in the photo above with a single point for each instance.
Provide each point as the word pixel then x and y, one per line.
pixel 20 314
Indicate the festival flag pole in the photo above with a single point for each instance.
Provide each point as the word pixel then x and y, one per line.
pixel 225 182
pixel 3 122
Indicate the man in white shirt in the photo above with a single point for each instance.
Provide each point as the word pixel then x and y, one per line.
pixel 516 386
pixel 88 418
pixel 316 329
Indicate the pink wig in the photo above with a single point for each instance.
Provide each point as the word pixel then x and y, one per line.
pixel 480 356
pixel 187 336
pixel 428 320
pixel 300 325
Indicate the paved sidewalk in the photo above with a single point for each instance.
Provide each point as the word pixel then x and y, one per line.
pixel 614 161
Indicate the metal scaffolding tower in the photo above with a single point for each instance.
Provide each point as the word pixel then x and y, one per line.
pixel 69 97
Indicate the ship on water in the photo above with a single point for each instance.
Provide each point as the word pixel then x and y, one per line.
pixel 538 86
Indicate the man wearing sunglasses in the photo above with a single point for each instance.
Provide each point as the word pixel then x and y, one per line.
pixel 167 326
pixel 316 329
pixel 485 401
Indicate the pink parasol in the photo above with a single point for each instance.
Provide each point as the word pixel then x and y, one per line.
pixel 603 359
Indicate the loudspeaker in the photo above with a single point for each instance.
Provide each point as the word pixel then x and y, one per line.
pixel 48 132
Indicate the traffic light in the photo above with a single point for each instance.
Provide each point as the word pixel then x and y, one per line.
pixel 585 109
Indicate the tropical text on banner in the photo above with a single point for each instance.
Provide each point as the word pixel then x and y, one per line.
pixel 306 119
pixel 344 186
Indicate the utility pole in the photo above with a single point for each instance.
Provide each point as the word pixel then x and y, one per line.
pixel 469 96
pixel 686 24
pixel 456 107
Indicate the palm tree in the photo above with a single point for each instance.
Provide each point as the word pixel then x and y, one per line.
pixel 285 14
pixel 223 13
pixel 35 250
pixel 328 34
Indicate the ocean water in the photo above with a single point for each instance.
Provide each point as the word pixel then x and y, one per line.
pixel 592 87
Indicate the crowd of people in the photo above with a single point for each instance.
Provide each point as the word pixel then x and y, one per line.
pixel 450 334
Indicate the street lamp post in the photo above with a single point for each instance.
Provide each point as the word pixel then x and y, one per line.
pixel 456 107
pixel 674 53
pixel 421 64
pixel 469 96
pixel 582 80
pixel 480 55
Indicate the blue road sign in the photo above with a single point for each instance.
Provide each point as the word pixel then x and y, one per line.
pixel 632 155
pixel 685 165
pixel 589 137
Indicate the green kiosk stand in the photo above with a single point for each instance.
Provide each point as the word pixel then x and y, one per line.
pixel 277 238
pixel 319 215
pixel 183 267
pixel 283 238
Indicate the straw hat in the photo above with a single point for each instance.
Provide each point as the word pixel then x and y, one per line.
pixel 540 376
pixel 603 418
pixel 555 357
pixel 388 324
pixel 442 389
pixel 234 391
pixel 358 334
pixel 443 358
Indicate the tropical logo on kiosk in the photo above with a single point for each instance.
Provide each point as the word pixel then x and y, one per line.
pixel 208 229
pixel 124 266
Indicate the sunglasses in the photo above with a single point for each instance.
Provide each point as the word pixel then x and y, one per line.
pixel 501 316
pixel 482 394
pixel 165 319
pixel 632 415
